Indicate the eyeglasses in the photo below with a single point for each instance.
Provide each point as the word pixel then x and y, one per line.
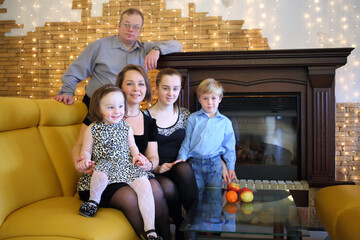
pixel 133 26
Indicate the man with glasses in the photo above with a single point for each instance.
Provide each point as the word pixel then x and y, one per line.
pixel 103 59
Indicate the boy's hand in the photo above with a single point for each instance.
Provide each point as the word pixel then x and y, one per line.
pixel 226 177
pixel 232 176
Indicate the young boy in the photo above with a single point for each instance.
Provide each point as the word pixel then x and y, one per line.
pixel 209 136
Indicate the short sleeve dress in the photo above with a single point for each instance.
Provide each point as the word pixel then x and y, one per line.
pixel 170 139
pixel 111 155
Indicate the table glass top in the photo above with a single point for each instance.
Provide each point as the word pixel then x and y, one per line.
pixel 272 212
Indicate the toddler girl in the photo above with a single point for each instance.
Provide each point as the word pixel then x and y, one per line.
pixel 109 146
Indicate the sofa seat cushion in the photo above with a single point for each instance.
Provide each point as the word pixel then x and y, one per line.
pixel 331 202
pixel 58 218
pixel 348 227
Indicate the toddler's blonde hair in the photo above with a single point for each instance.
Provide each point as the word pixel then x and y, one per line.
pixel 210 85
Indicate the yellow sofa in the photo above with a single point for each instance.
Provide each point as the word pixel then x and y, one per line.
pixel 338 209
pixel 37 177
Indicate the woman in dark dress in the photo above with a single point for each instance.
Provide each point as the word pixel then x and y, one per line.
pixel 176 178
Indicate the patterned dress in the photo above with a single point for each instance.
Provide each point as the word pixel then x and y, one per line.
pixel 111 155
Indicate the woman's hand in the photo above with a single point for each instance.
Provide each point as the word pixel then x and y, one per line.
pixel 164 167
pixel 84 165
pixel 167 166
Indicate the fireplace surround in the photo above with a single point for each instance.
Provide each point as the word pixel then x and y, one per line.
pixel 308 73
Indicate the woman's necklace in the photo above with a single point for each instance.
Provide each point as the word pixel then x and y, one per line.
pixel 134 115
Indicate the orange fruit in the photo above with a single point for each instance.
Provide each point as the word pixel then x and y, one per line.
pixel 231 196
pixel 231 208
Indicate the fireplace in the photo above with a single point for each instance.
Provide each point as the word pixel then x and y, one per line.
pixel 294 89
pixel 267 133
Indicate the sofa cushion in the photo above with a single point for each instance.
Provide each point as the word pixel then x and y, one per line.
pixel 347 227
pixel 53 113
pixel 18 113
pixel 26 173
pixel 333 201
pixel 58 218
pixel 59 128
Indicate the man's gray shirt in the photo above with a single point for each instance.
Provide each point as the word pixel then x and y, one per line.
pixel 103 59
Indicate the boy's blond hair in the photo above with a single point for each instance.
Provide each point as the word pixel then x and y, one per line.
pixel 210 85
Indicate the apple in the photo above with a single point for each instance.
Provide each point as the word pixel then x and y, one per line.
pixel 246 195
pixel 244 189
pixel 233 187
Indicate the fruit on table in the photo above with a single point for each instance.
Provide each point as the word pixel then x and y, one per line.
pixel 246 195
pixel 231 196
pixel 233 187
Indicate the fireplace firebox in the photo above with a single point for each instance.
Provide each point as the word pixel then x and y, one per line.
pixel 267 133
pixel 281 101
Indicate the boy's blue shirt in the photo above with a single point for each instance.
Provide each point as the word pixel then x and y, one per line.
pixel 208 137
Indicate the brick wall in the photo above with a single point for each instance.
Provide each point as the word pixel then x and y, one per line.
pixel 347 141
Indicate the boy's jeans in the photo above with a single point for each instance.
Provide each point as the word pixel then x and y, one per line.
pixel 208 171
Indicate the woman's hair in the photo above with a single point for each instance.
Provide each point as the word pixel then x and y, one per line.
pixel 169 72
pixel 210 85
pixel 94 108
pixel 129 67
pixel 132 11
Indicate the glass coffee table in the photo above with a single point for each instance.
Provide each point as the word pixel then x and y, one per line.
pixel 272 215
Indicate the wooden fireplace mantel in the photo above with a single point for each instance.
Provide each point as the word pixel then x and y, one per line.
pixel 310 72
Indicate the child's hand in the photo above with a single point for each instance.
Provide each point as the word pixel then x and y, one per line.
pixel 225 172
pixel 226 176
pixel 232 176
pixel 85 165
pixel 139 160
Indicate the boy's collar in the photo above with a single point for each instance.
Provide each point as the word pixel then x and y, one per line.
pixel 202 111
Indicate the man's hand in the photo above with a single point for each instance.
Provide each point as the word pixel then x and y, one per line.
pixel 150 62
pixel 66 99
